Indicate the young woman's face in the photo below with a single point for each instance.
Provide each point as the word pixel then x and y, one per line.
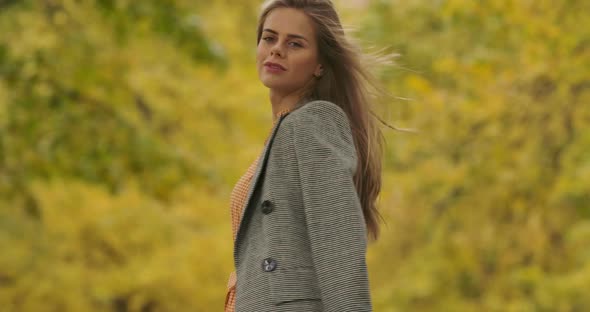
pixel 288 40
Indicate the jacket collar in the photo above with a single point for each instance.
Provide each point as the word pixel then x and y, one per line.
pixel 261 164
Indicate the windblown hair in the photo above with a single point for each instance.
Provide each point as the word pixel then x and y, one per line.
pixel 347 82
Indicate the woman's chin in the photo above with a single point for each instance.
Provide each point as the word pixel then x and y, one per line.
pixel 271 83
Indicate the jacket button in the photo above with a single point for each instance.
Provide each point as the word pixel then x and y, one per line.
pixel 269 264
pixel 266 207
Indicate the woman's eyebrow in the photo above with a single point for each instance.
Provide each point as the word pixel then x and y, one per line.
pixel 288 35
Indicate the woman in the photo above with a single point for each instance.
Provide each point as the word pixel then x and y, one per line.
pixel 302 211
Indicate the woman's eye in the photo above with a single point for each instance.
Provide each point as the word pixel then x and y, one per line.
pixel 291 44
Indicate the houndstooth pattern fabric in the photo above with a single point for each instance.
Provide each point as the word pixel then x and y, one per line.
pixel 237 199
pixel 301 242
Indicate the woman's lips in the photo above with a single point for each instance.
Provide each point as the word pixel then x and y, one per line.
pixel 273 68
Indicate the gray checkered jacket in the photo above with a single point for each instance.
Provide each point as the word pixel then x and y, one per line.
pixel 301 242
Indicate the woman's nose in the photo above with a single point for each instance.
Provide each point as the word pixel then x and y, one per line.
pixel 276 49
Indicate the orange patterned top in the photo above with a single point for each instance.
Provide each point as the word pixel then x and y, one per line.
pixel 237 202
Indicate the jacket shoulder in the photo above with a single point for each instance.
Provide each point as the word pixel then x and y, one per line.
pixel 323 126
pixel 320 113
pixel 320 108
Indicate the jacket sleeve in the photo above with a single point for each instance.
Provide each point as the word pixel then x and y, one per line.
pixel 326 159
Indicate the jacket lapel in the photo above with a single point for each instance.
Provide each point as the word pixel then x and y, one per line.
pixel 259 167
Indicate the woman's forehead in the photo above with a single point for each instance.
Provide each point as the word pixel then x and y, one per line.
pixel 285 21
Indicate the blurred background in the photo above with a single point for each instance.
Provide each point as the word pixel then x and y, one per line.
pixel 125 124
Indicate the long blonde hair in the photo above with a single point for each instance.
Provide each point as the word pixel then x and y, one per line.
pixel 348 83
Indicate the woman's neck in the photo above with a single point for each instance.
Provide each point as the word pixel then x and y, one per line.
pixel 281 101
